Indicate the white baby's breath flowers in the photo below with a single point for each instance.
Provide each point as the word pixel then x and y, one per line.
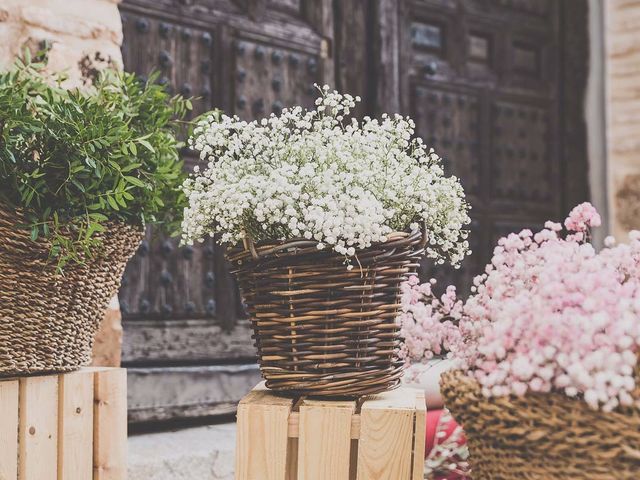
pixel 313 175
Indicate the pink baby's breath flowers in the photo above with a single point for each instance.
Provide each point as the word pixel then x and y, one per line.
pixel 429 323
pixel 552 314
pixel 582 217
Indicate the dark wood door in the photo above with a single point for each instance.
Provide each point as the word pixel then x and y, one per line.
pixel 187 343
pixel 495 86
pixel 490 86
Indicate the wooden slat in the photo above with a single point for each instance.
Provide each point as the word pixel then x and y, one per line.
pixel 38 430
pixel 261 445
pixel 386 436
pixel 9 430
pixel 292 459
pixel 419 435
pixel 294 425
pixel 110 424
pixel 75 426
pixel 325 439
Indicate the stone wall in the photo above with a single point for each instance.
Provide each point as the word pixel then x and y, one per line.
pixel 79 35
pixel 74 31
pixel 622 37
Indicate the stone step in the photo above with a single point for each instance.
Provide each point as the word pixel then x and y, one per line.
pixel 200 453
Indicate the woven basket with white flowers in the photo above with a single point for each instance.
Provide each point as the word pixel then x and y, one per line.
pixel 324 216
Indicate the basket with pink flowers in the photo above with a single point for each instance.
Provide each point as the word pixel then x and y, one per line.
pixel 546 347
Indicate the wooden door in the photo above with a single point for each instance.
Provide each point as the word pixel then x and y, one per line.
pixel 496 86
pixel 187 343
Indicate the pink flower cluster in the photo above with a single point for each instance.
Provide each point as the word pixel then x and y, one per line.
pixel 552 314
pixel 429 323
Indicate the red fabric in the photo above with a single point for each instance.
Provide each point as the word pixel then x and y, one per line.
pixel 433 418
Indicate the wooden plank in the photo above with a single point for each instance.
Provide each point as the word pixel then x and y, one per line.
pixel 386 436
pixel 292 459
pixel 9 429
pixel 419 435
pixel 38 430
pixel 325 439
pixel 75 426
pixel 261 444
pixel 110 424
pixel 294 425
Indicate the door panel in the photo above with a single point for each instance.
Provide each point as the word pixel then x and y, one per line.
pixel 485 89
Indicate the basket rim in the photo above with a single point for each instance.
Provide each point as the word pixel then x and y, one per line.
pixel 300 246
pixel 457 379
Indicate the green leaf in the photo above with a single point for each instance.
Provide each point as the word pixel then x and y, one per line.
pixel 121 200
pixel 98 217
pixel 135 181
pixel 147 145
pixel 112 202
pixel 131 166
pixel 78 185
pixel 93 228
pixel 34 233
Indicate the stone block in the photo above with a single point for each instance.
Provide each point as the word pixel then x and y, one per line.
pixel 203 453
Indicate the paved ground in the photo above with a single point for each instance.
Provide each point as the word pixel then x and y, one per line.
pixel 201 453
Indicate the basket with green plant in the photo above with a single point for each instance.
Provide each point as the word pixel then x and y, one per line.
pixel 82 172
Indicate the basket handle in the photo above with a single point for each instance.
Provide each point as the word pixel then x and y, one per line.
pixel 251 246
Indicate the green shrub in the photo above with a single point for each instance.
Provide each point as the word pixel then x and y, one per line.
pixel 74 160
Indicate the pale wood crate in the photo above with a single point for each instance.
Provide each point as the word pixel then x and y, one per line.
pixel 69 426
pixel 379 437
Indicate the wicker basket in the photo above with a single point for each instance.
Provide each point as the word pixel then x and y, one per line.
pixel 47 321
pixel 542 436
pixel 319 328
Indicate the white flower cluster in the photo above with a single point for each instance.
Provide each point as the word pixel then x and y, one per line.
pixel 315 175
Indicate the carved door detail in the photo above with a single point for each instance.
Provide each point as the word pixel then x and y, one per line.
pixel 485 89
pixel 489 86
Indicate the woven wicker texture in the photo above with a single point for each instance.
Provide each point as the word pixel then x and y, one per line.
pixel 542 436
pixel 319 328
pixel 47 321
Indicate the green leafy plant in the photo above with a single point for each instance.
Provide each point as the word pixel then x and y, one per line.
pixel 71 161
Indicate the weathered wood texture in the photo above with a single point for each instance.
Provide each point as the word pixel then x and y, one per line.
pixel 171 341
pixel 248 60
pixel 64 427
pixel 496 87
pixel 380 437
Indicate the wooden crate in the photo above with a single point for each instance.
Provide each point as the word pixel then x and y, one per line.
pixel 70 426
pixel 380 437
